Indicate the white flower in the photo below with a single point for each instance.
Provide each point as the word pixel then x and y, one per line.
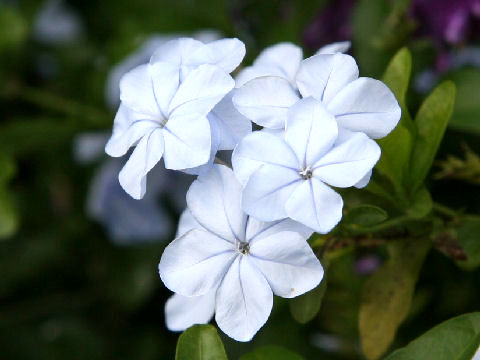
pixel 142 56
pixel 288 176
pixel 165 106
pixel 283 60
pixel 359 104
pixel 239 259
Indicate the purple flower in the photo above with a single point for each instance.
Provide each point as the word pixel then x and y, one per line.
pixel 332 24
pixel 446 21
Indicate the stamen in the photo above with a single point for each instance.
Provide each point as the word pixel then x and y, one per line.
pixel 163 122
pixel 243 247
pixel 306 173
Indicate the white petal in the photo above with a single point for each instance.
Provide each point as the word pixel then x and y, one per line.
pixel 284 56
pixel 181 312
pixel 186 223
pixel 336 47
pixel 315 205
pixel 364 181
pixel 202 169
pixel 346 164
pixel 195 263
pixel 165 80
pixel 231 126
pixel 366 105
pixel 136 92
pixel 133 176
pixel 244 301
pixel 288 263
pixel 267 191
pixel 175 51
pixel 261 148
pixel 323 76
pixel 118 145
pixel 257 230
pixel 215 201
pixel 201 90
pixel 266 101
pixel 187 142
pixel 227 54
pixel 311 130
pixel 252 72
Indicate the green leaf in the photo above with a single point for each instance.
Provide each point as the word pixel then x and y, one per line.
pixel 365 215
pixel 200 342
pixel 387 296
pixel 394 164
pixel 467 107
pixel 305 307
pixel 8 215
pixel 421 204
pixel 468 235
pixel 14 28
pixel 431 122
pixel 454 339
pixel 271 352
pixel 368 17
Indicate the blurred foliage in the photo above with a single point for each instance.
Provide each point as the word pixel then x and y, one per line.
pixel 68 292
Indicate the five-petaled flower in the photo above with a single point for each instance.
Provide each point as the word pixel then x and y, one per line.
pixel 167 109
pixel 235 259
pixel 288 176
pixel 359 104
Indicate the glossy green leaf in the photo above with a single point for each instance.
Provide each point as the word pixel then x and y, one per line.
pixel 468 235
pixel 271 352
pixel 421 204
pixel 365 215
pixel 200 342
pixel 454 339
pixel 431 122
pixel 397 146
pixel 467 107
pixel 305 307
pixel 387 296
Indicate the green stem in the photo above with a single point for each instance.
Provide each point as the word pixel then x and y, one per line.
pixel 386 225
pixel 54 102
pixel 444 210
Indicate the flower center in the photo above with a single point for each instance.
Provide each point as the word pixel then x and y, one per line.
pixel 306 173
pixel 243 247
pixel 163 122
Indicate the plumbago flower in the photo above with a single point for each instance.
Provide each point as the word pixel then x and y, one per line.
pixel 283 60
pixel 358 104
pixel 289 176
pixel 231 264
pixel 172 108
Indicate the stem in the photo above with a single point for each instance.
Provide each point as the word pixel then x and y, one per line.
pixel 444 210
pixel 385 225
pixel 68 107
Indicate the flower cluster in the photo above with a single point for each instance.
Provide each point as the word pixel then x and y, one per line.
pixel 243 236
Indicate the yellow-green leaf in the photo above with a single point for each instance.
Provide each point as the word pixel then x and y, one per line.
pixel 305 307
pixel 454 339
pixel 397 146
pixel 431 122
pixel 200 342
pixel 387 296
